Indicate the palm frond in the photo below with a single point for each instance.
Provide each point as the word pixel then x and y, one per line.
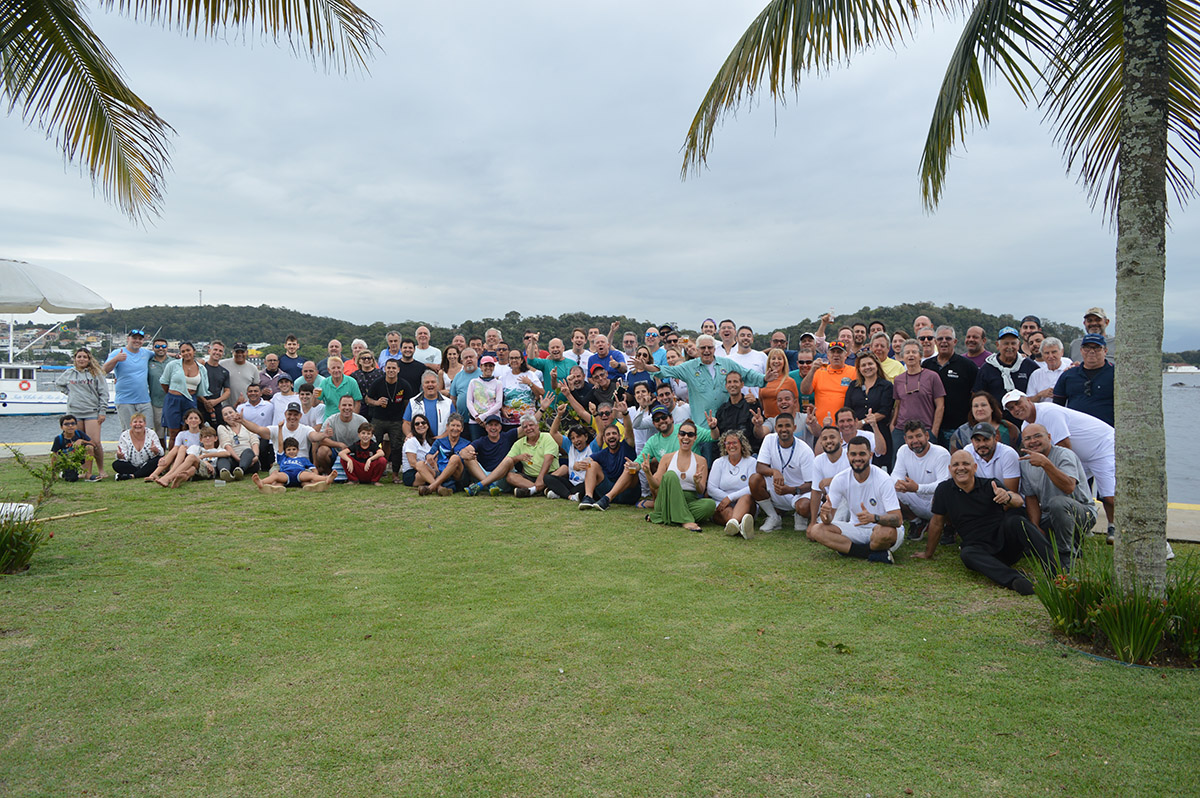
pixel 1085 88
pixel 1011 37
pixel 789 38
pixel 55 68
pixel 335 32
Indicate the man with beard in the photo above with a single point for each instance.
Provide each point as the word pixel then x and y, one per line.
pixel 783 476
pixel 829 461
pixel 411 371
pixel 218 386
pixel 993 459
pixel 872 525
pixel 920 467
pixel 613 474
pixel 738 413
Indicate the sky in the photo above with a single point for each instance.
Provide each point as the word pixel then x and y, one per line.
pixel 526 156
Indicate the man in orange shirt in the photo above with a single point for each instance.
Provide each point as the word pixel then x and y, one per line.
pixel 828 382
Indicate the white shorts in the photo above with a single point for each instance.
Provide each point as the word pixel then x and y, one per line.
pixel 921 505
pixel 858 534
pixel 786 503
pixel 1105 473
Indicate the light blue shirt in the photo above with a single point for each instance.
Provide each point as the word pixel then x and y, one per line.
pixel 132 376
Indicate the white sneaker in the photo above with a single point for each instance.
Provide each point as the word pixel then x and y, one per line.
pixel 573 497
pixel 772 523
pixel 747 526
pixel 800 524
pixel 732 528
pixel 552 495
pixel 1170 551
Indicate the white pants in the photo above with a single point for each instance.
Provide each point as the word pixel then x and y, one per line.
pixel 786 503
pixel 921 505
pixel 860 534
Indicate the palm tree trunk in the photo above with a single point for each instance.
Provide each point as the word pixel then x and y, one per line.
pixel 1141 513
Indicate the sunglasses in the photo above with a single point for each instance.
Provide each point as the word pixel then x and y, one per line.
pixel 683 434
pixel 651 335
pixel 924 337
pixel 160 346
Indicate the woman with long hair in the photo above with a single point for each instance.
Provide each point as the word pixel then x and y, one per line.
pixel 184 379
pixel 87 399
pixel 680 480
pixel 985 408
pixel 416 447
pixel 522 387
pixel 871 392
pixel 778 379
pixel 451 365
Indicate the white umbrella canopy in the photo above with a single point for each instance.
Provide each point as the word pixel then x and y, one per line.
pixel 25 288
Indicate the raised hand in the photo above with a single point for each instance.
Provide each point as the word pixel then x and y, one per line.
pixel 710 419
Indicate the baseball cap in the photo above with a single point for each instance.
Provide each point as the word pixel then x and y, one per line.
pixel 285 377
pixel 491 418
pixel 659 410
pixel 1033 319
pixel 1012 396
pixel 1098 312
pixel 983 428
pixel 483 361
pixel 239 347
pixel 1094 338
pixel 294 406
pixel 807 335
pixel 597 366
pixel 1008 331
pixel 139 332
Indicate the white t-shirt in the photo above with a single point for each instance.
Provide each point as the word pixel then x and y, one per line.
pixel 824 468
pixel 1044 378
pixel 866 433
pixel 581 359
pixel 280 432
pixel 575 456
pixel 877 494
pixel 752 360
pixel 926 471
pixel 726 480
pixel 281 402
pixel 314 416
pixel 414 446
pixel 431 355
pixel 1005 463
pixel 1091 438
pixel 796 463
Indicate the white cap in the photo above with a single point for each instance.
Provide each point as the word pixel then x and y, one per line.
pixel 1012 396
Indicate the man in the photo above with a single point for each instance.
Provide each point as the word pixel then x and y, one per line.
pixel 578 351
pixel 958 376
pixel 993 539
pixel 859 330
pixel 993 459
pixel 654 344
pixel 290 427
pixel 920 467
pixel 459 341
pixel 1029 326
pixel 340 431
pixel 926 339
pixel 218 386
pixel 747 357
pixel 482 458
pixel 1095 322
pixel 333 349
pixel 612 360
pixel 469 358
pixel 848 428
pixel 412 370
pixel 1007 370
pixel 308 375
pixel 284 395
pixel 268 378
pixel 804 364
pixel 876 326
pixel 130 365
pixel 788 406
pixel 976 341
pixel 828 381
pixel 827 463
pixel 921 323
pixel 331 389
pixel 664 441
pixel 532 456
pixel 1053 482
pixel 705 378
pixel 613 473
pixel 783 476
pixel 919 394
pixel 1091 388
pixel 476 343
pixel 432 404
pixel 738 413
pixel 312 412
pixel 779 341
pixel 261 412
pixel 388 398
pixel 241 373
pixel 808 343
pixel 158 394
pixel 532 340
pixel 491 343
pixel 1033 346
pixel 629 344
pixel 1052 367
pixel 864 493
pixel 1087 436
pixel 393 348
pixel 728 334
pixel 424 353
pixel 666 397
pixel 290 361
pixel 554 367
pixel 880 347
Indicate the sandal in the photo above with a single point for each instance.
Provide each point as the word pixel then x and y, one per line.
pixel 693 527
pixel 645 504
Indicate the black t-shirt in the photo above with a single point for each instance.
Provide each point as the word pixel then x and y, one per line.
pixel 412 372
pixel 397 396
pixel 218 381
pixel 490 454
pixel 363 454
pixel 958 378
pixel 976 516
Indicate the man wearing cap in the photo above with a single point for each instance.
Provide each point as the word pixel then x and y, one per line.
pixel 485 396
pixel 130 366
pixel 241 373
pixel 388 397
pixel 1091 387
pixel 482 458
pixel 993 538
pixel 993 459
pixel 828 381
pixel 290 427
pixel 1095 322
pixel 1006 370
pixel 284 395
pixel 705 378
pixel 1087 436
pixel 1054 484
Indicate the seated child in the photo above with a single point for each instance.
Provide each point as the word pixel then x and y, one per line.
pixel 70 438
pixel 294 471
pixel 363 460
pixel 199 461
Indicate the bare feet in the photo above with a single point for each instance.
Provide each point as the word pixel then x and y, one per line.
pixel 163 481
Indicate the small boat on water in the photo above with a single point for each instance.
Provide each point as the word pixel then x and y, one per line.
pixel 28 390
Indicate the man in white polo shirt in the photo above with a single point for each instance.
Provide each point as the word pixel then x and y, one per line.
pixel 783 476
pixel 994 460
pixel 920 466
pixel 873 525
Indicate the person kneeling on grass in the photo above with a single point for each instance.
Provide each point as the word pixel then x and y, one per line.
pixel 871 523
pixel 679 482
pixel 199 461
pixel 363 460
pixel 294 471
pixel 442 467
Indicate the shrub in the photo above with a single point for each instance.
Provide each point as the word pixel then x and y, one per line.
pixel 1134 624
pixel 1072 598
pixel 1183 606
pixel 19 539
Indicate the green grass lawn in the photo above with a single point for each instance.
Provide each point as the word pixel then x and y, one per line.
pixel 365 641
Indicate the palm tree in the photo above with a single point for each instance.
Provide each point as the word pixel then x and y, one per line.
pixel 1118 81
pixel 62 77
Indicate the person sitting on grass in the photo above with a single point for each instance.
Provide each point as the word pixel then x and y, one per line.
pixel 613 474
pixel 187 437
pixel 783 476
pixel 340 432
pixel 138 452
pixel 71 438
pixel 567 481
pixel 871 525
pixel 729 485
pixel 199 461
pixel 416 447
pixel 295 471
pixel 363 460
pixel 484 456
pixel 679 482
pixel 529 460
pixel 438 470
pixel 239 444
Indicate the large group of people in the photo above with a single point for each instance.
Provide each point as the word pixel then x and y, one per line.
pixel 866 436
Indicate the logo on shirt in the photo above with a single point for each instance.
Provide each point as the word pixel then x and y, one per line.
pixel 872 502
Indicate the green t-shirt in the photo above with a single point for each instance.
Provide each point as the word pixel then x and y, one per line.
pixel 658 445
pixel 537 452
pixel 331 394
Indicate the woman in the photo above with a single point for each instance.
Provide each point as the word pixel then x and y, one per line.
pixel 87 400
pixel 679 387
pixel 636 378
pixel 729 485
pixel 179 443
pixel 365 375
pixel 138 454
pixel 240 443
pixel 451 365
pixel 183 380
pixel 681 478
pixel 416 447
pixel 522 390
pixel 871 391
pixel 777 380
pixel 985 407
pixel 354 362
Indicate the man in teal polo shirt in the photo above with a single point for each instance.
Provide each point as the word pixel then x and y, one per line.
pixel 554 368
pixel 705 378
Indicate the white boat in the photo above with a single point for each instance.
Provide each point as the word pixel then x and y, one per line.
pixel 28 390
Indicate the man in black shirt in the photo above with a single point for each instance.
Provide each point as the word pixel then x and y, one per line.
pixel 411 371
pixel 387 399
pixel 218 386
pixel 738 413
pixel 958 378
pixel 993 539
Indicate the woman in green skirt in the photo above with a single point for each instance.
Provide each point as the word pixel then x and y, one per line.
pixel 680 480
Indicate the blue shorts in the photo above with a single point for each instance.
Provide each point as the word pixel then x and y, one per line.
pixel 174 406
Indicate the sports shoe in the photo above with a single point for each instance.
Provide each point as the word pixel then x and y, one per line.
pixel 123 477
pixel 522 493
pixel 948 539
pixel 424 490
pixel 1022 586
pixel 772 523
pixel 884 556
pixel 586 502
pixel 732 528
pixel 602 503
pixel 1170 552
pixel 225 475
pixel 573 497
pixel 917 530
pixel 747 526
pixel 1112 534
pixel 238 473
pixel 800 524
pixel 473 490
pixel 444 491
pixel 552 495
pixel 494 490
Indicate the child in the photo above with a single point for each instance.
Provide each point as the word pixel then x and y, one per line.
pixel 200 461
pixel 294 471
pixel 68 439
pixel 363 459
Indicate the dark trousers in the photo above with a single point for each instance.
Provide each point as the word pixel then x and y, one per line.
pixel 994 558
pixel 562 486
pixel 126 467
pixel 244 461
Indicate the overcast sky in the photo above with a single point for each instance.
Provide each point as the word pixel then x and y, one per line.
pixel 525 156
